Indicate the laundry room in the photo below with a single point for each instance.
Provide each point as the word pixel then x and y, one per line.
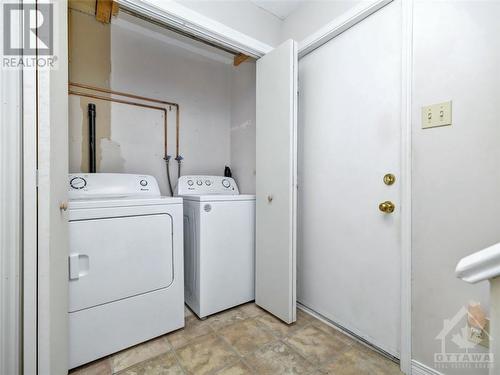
pixel 136 72
pixel 220 187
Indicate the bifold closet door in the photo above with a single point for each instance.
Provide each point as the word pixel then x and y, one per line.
pixel 276 187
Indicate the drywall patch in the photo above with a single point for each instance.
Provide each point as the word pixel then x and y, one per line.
pixel 111 156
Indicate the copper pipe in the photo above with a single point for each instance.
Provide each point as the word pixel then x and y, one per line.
pixel 99 97
pixel 133 96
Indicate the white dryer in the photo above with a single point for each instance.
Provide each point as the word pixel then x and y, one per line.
pixel 219 243
pixel 125 264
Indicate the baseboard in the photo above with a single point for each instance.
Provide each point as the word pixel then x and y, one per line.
pixel 418 368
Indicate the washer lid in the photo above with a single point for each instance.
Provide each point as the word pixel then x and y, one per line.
pixel 219 198
pixel 111 185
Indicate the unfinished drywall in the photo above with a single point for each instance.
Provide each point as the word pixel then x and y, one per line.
pixel 456 170
pixel 89 53
pixel 149 61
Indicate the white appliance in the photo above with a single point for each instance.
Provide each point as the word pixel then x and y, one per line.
pixel 219 243
pixel 125 264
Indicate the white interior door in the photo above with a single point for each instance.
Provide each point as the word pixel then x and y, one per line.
pixel 349 251
pixel 275 263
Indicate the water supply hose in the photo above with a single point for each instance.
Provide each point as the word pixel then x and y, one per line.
pixel 169 182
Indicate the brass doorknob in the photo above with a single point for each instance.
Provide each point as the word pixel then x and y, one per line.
pixel 387 207
pixel 63 206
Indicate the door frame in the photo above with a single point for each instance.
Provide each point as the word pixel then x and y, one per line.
pixel 322 36
pixel 11 154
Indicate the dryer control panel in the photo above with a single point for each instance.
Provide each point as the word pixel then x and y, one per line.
pixel 205 185
pixel 111 185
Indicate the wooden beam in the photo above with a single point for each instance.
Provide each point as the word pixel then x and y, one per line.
pixel 239 58
pixel 115 8
pixel 105 9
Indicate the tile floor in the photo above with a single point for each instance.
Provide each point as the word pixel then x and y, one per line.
pixel 246 340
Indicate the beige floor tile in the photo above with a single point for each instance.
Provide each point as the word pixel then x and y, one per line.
pixel 165 364
pixel 139 353
pixel 194 328
pixel 246 336
pixel 226 318
pixel 279 328
pixel 357 361
pixel 302 315
pixel 101 367
pixel 335 332
pixel 206 354
pixel 278 358
pixel 239 368
pixel 251 310
pixel 316 345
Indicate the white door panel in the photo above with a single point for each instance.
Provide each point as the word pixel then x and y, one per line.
pixel 349 139
pixel 116 258
pixel 276 181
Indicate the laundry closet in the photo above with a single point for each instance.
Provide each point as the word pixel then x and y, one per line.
pixel 211 119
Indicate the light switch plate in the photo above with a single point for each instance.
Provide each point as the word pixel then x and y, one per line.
pixel 436 115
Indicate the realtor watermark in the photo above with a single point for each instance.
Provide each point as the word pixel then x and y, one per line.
pixel 457 349
pixel 28 36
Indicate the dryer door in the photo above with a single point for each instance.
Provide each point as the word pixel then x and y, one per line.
pixel 118 257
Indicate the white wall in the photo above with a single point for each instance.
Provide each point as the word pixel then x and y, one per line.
pixel 243 126
pixel 456 170
pixel 241 15
pixel 310 16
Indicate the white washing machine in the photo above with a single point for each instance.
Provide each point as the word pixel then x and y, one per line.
pixel 219 243
pixel 126 280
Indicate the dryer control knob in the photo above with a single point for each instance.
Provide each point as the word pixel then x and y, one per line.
pixel 190 182
pixel 226 183
pixel 199 182
pixel 78 183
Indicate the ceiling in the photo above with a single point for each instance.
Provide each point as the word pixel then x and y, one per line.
pixel 279 8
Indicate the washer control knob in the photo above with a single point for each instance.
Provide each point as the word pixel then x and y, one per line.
pixel 143 183
pixel 78 183
pixel 226 183
pixel 208 182
pixel 199 182
pixel 190 182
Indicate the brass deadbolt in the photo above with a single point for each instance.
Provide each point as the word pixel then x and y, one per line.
pixel 389 179
pixel 387 207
